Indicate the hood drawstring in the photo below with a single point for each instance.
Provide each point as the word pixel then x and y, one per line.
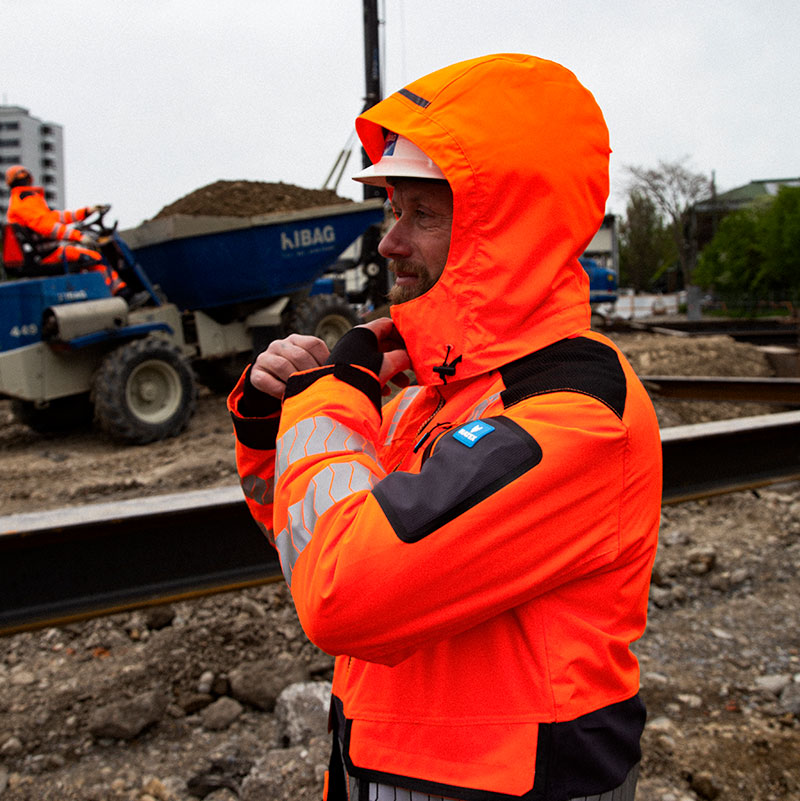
pixel 447 368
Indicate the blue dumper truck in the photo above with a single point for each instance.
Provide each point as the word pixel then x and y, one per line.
pixel 210 292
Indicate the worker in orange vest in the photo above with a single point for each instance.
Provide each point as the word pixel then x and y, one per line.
pixel 477 551
pixel 57 244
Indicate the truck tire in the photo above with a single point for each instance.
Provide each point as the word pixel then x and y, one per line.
pixel 144 391
pixel 328 317
pixel 58 416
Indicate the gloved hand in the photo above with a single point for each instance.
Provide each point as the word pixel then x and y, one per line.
pixel 101 209
pixel 88 241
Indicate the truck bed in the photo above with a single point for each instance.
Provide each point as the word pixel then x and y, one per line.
pixel 203 262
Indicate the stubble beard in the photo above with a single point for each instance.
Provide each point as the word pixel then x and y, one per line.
pixel 402 294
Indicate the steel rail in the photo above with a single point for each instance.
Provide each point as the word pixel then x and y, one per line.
pixel 762 390
pixel 69 564
pixel 754 330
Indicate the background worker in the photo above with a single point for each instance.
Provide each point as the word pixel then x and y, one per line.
pixel 477 552
pixel 59 245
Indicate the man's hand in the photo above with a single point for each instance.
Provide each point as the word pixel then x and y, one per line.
pixel 395 356
pixel 272 368
pixel 88 241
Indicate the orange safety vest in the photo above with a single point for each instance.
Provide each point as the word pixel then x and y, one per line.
pixel 477 552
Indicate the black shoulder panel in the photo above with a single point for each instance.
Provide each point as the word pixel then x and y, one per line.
pixel 570 365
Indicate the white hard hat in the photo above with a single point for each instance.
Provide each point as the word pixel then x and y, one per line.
pixel 401 159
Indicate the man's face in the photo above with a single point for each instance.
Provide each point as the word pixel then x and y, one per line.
pixel 418 243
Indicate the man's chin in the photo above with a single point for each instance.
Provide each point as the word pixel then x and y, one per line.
pixel 402 294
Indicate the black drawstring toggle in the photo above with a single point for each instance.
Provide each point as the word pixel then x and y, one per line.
pixel 447 368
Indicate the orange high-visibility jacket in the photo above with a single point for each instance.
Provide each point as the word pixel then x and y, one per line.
pixel 477 553
pixel 28 207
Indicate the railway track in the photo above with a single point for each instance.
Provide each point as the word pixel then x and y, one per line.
pixel 68 564
pixel 757 331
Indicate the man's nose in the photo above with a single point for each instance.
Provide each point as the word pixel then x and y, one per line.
pixel 395 244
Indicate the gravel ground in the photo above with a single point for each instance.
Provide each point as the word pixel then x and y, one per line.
pixel 189 700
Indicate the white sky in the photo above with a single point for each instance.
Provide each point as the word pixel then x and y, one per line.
pixel 160 97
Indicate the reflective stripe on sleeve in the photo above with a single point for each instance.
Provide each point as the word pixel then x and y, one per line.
pixel 331 485
pixel 318 435
pixel 257 489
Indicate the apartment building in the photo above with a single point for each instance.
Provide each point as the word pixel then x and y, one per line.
pixel 38 145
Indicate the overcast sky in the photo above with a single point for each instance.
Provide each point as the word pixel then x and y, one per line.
pixel 160 97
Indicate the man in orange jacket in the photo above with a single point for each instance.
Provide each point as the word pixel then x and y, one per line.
pixel 59 246
pixel 476 552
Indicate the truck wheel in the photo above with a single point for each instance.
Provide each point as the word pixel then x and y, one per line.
pixel 55 417
pixel 328 317
pixel 144 391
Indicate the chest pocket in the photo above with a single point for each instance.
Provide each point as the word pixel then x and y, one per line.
pixel 469 464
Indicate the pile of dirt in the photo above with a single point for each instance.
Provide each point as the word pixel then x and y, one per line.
pixel 249 198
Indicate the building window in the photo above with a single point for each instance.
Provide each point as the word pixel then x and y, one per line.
pixel 47 147
pixel 10 159
pixel 9 143
pixel 50 195
pixel 49 164
pixel 46 130
pixel 9 126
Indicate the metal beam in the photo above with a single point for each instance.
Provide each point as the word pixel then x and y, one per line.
pixel 729 455
pixel 762 390
pixel 73 563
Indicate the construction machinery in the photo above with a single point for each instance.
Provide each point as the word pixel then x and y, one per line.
pixel 209 293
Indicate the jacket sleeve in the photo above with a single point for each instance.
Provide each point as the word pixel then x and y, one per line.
pixel 382 565
pixel 33 212
pixel 255 421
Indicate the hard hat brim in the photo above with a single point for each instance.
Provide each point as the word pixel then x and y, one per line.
pixel 403 159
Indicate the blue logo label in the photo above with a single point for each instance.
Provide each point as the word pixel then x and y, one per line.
pixel 470 433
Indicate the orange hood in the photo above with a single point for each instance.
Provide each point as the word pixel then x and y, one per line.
pixel 525 149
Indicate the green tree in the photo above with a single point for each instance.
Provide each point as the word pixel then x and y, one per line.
pixel 731 261
pixel 780 233
pixel 673 189
pixel 756 250
pixel 646 248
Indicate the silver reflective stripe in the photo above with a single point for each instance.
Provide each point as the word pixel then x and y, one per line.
pixel 286 553
pixel 257 489
pixel 388 792
pixel 363 791
pixel 331 485
pixel 318 435
pixel 408 396
pixel 481 408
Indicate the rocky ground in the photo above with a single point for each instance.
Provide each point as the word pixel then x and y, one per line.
pixel 223 698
